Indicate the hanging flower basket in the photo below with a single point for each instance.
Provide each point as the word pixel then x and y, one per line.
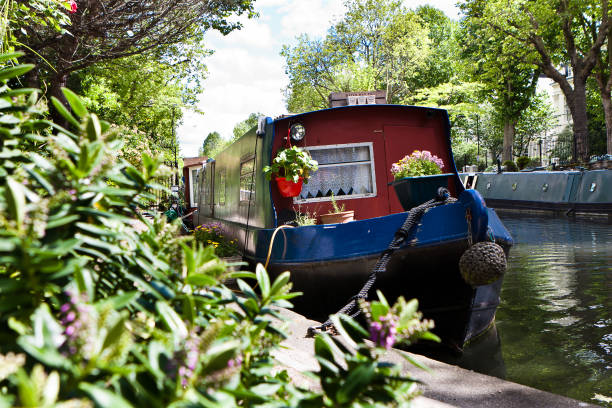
pixel 413 191
pixel 288 188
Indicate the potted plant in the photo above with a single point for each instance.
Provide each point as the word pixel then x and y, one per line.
pixel 337 215
pixel 291 167
pixel 418 177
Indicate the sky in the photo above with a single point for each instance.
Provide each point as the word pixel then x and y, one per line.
pixel 246 72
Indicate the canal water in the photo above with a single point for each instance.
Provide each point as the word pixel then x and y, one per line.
pixel 554 323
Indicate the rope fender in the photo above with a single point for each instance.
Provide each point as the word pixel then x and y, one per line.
pixel 414 215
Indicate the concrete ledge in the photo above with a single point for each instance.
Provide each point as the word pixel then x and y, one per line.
pixel 445 386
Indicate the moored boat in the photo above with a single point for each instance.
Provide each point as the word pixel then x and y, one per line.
pixel 356 147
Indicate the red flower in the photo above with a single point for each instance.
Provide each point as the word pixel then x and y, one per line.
pixel 73 6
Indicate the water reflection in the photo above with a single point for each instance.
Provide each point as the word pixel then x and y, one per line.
pixel 555 316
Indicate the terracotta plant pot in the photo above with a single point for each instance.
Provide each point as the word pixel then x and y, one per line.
pixel 338 218
pixel 288 188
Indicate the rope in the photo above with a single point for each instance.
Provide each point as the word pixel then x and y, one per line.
pixel 272 243
pixel 442 197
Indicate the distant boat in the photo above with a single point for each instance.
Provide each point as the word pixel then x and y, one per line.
pixel 569 192
pixel 355 147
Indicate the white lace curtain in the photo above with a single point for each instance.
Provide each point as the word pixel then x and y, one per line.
pixel 342 171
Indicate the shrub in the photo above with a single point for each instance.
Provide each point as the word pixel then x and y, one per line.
pixel 522 162
pixel 510 165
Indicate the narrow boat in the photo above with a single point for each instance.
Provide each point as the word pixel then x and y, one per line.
pixel 355 147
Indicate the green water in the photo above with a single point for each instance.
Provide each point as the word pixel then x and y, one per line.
pixel 555 317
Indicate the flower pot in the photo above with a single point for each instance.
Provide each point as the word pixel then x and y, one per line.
pixel 413 191
pixel 338 218
pixel 288 188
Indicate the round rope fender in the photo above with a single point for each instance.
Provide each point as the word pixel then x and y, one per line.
pixel 482 263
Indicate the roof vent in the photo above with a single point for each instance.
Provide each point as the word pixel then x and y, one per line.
pixel 357 98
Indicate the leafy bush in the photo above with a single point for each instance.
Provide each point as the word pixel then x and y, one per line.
pixel 510 165
pixel 522 162
pixel 92 311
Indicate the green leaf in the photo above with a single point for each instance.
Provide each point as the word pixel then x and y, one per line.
pixel 199 279
pixel 263 280
pixel 104 398
pixel 350 330
pixel 13 72
pixel 120 301
pixel 356 382
pixel 75 102
pixel 94 129
pixel 85 282
pixel 413 361
pixel 59 106
pixel 172 320
pixel 280 282
pixel 15 199
pixel 4 57
pixel 115 333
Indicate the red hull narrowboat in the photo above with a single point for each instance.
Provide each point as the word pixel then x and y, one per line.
pixel 356 147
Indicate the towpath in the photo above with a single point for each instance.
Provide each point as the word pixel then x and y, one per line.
pixel 445 386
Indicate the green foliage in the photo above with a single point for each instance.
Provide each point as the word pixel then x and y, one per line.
pixel 522 162
pixel 243 127
pixel 389 54
pixel 351 372
pixel 335 207
pixel 510 165
pixel 292 163
pixel 95 310
pixel 212 145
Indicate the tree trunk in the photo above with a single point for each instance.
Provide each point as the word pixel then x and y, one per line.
pixel 509 130
pixel 606 101
pixel 579 116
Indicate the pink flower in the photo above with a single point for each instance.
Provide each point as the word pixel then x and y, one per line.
pixel 73 6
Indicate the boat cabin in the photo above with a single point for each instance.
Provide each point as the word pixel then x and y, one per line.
pixel 355 147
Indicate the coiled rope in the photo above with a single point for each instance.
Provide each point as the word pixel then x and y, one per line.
pixel 414 215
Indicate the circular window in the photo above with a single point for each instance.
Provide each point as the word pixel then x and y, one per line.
pixel 488 186
pixel 545 187
pixel 593 187
pixel 514 186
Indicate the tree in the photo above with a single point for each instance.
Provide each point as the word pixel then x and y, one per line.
pixel 536 120
pixel 560 32
pixel 103 30
pixel 497 61
pixel 377 45
pixel 242 127
pixel 211 145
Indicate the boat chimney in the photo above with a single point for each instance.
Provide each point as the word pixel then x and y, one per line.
pixel 357 98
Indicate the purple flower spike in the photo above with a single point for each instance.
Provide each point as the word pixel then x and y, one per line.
pixel 70 330
pixel 65 307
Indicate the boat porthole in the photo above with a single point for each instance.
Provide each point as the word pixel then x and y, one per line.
pixel 488 186
pixel 545 187
pixel 514 186
pixel 593 187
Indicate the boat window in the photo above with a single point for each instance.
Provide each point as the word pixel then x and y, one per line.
pixel 247 188
pixel 344 170
pixel 220 188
